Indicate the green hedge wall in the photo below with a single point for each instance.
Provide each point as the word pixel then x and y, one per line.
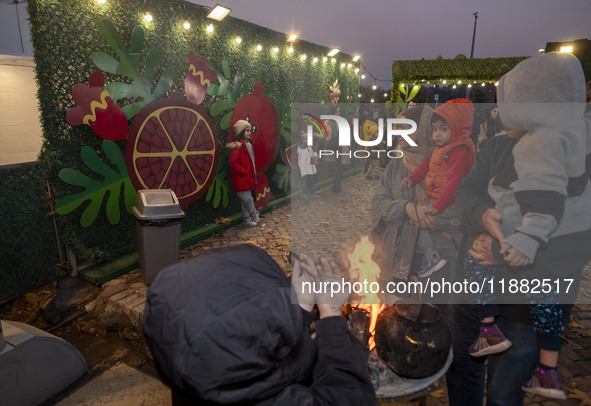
pixel 65 35
pixel 28 251
pixel 437 70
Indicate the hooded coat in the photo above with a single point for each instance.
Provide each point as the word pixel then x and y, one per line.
pixel 448 164
pixel 223 330
pixel 242 167
pixel 545 192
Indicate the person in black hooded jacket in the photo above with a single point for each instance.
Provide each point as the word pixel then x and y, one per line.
pixel 223 329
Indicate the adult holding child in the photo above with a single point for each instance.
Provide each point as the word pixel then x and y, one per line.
pixel 396 211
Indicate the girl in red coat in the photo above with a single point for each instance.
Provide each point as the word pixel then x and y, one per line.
pixel 243 172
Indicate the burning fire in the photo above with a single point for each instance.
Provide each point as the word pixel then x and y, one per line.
pixel 365 270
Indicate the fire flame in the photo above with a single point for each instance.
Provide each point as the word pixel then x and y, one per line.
pixel 365 270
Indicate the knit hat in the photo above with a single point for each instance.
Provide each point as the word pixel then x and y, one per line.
pixel 239 126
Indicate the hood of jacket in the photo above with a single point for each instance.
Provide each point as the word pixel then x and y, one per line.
pixel 221 325
pixel 234 145
pixel 543 91
pixel 459 115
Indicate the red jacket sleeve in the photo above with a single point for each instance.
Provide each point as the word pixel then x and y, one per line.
pixel 419 174
pixel 459 164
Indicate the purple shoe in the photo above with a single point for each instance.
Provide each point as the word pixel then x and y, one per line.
pixel 544 383
pixel 490 341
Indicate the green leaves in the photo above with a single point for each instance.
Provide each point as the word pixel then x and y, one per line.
pixel 220 188
pixel 128 65
pixel 230 91
pixel 95 190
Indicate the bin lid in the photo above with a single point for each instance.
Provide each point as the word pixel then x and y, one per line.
pixel 152 204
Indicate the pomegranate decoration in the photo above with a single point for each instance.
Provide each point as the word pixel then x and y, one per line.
pixel 258 110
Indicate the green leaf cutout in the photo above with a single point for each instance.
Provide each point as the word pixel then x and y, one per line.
pixel 128 65
pixel 220 188
pixel 95 190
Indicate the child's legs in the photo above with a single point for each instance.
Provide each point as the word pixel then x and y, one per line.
pixel 246 203
pixel 548 326
pixel 476 272
pixel 424 242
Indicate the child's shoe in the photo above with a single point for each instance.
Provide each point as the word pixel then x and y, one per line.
pixel 490 341
pixel 544 382
pixel 247 221
pixel 434 265
pixel 255 217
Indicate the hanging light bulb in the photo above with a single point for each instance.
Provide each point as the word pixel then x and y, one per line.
pixel 374 87
pixel 459 82
pixel 385 94
pixel 148 16
pixel 482 84
pixel 359 95
pixel 363 76
pixel 454 86
pixel 356 70
pixel 186 25
pixel 371 100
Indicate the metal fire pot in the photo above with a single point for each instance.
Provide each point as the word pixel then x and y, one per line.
pixel 412 339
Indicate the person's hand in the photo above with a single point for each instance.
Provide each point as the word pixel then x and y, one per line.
pixel 482 137
pixel 425 220
pixel 491 219
pixel 330 301
pixel 406 183
pixel 432 211
pixel 482 250
pixel 514 257
pixel 304 271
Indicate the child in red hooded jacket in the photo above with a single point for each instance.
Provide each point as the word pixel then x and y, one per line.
pixel 450 161
pixel 243 171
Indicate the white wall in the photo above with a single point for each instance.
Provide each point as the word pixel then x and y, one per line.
pixel 20 129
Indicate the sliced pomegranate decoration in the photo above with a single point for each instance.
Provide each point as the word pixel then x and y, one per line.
pixel 173 144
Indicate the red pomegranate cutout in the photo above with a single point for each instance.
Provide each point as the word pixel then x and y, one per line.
pixel 173 145
pixel 258 110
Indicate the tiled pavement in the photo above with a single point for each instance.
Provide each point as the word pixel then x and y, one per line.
pixel 330 226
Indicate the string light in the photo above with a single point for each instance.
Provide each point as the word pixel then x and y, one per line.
pixel 325 59
pixel 349 65
pixel 356 70
pixel 102 1
pixel 343 65
pixel 275 49
pixel 315 59
pixel 469 85
pixel 148 16
pixel 371 100
pixel 385 94
pixel 259 47
pixel 459 82
pixel 363 76
pixel 290 50
pixel 482 84
pixel 210 28
pixel 444 82
pixel 304 57
pixel 238 40
pixel 186 25
pixel 374 87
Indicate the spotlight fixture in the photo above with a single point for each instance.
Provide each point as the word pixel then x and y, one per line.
pixel 186 25
pixel 148 16
pixel 356 58
pixel 334 52
pixel 210 28
pixel 292 38
pixel 218 12
pixel 566 48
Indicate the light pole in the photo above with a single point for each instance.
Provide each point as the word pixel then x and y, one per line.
pixel 473 34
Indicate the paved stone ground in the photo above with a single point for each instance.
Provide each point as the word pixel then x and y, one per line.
pixel 330 226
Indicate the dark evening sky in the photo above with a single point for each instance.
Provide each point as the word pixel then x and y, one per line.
pixel 384 30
